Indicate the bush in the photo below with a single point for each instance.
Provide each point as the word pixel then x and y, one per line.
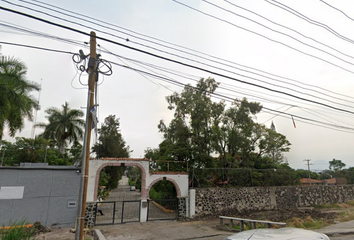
pixel 17 231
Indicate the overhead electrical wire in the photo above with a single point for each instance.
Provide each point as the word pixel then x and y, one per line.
pixel 40 34
pixel 341 11
pixel 150 65
pixel 35 47
pixel 268 38
pixel 88 18
pixel 220 96
pixel 231 99
pixel 172 48
pixel 173 61
pixel 309 20
pixel 279 32
pixel 228 88
pixel 283 26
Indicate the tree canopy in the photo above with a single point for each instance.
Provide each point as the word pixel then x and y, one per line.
pixel 207 133
pixel 336 165
pixel 202 128
pixel 16 103
pixel 110 144
pixel 65 125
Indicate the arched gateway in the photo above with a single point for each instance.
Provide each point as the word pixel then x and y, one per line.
pixel 179 179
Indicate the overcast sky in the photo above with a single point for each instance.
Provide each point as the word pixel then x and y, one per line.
pixel 294 57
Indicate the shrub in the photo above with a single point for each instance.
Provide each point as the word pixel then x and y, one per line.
pixel 17 231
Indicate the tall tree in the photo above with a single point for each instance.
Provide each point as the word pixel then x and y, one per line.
pixel 191 128
pixel 16 103
pixel 236 134
pixel 65 125
pixel 336 165
pixel 111 144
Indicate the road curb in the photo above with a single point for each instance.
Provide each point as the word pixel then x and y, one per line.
pixel 98 235
pixel 336 232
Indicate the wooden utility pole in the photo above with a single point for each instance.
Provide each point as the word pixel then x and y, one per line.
pixel 308 169
pixel 86 156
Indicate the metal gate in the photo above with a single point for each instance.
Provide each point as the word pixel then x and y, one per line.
pixel 115 212
pixel 162 209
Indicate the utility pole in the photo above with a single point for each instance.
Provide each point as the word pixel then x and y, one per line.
pixel 79 235
pixel 308 169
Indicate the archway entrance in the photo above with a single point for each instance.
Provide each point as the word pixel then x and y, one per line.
pixel 163 201
pixel 148 179
pixel 116 202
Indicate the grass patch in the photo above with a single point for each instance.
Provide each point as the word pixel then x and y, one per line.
pixel 327 205
pixel 346 216
pixel 348 204
pixel 17 230
pixel 307 223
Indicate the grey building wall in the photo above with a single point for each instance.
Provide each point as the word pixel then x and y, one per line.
pixel 50 195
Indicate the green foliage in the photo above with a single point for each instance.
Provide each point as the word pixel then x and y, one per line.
pixel 163 190
pixel 301 173
pixel 111 144
pixel 16 103
pixel 134 174
pixel 64 125
pixel 37 150
pixel 17 231
pixel 202 128
pixel 189 135
pixel 336 165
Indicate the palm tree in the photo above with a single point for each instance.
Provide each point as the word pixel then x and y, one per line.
pixel 64 125
pixel 16 103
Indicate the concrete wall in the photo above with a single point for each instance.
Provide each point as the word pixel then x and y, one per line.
pixel 216 200
pixel 45 194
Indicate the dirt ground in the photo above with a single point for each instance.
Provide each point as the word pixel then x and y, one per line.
pixel 206 227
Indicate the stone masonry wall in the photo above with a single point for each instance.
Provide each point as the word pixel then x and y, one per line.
pixel 215 200
pixel 182 208
pixel 90 214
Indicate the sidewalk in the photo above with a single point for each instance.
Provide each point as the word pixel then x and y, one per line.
pixel 175 230
pixel 344 228
pixel 172 230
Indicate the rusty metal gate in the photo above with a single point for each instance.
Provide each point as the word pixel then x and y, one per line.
pixel 116 212
pixel 162 209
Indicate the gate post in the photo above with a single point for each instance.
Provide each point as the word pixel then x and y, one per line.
pixel 191 203
pixel 143 210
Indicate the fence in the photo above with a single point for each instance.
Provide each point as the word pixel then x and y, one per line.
pixel 246 177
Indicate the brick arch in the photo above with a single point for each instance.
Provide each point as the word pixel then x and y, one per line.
pixel 118 164
pixel 178 190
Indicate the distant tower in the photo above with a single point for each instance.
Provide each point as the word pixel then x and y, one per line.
pixel 35 114
pixel 272 126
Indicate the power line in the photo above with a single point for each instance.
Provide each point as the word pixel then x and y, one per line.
pixel 288 28
pixel 174 61
pixel 35 47
pixel 263 36
pixel 175 49
pixel 220 96
pixel 309 20
pixel 337 9
pixel 230 99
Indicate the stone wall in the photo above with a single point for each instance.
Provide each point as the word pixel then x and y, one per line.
pixel 90 214
pixel 215 200
pixel 182 207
